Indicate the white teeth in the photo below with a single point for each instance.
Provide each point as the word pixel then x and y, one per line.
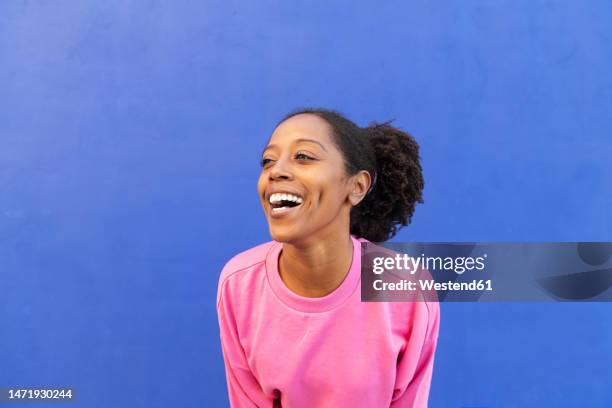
pixel 279 209
pixel 277 197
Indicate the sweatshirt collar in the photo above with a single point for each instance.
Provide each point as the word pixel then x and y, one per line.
pixel 308 304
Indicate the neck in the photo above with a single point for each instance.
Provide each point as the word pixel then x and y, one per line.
pixel 318 267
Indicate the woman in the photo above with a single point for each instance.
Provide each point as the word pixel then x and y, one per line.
pixel 294 331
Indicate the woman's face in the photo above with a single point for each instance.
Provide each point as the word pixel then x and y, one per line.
pixel 303 185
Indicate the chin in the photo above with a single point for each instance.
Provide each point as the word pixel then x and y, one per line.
pixel 280 236
pixel 283 235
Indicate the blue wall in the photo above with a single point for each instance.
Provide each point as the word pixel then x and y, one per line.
pixel 129 142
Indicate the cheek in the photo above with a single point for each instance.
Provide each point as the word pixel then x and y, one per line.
pixel 260 190
pixel 260 185
pixel 331 197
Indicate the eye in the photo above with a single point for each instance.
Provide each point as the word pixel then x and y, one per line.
pixel 264 161
pixel 303 156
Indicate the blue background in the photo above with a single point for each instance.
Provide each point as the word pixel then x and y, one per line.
pixel 130 135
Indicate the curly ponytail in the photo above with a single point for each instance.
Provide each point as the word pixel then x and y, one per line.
pixel 391 156
pixel 398 187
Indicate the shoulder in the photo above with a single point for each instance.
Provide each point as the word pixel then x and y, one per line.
pixel 242 263
pixel 423 313
pixel 433 318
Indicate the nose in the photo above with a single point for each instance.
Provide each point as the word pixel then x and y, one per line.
pixel 280 171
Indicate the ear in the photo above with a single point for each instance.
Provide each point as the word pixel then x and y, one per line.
pixel 360 185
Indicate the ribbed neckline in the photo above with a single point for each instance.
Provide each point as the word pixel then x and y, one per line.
pixel 308 304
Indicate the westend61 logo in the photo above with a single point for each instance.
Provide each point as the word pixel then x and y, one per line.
pixel 404 262
pixel 485 272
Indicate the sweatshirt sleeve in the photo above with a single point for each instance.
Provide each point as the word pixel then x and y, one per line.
pixel 242 386
pixel 415 367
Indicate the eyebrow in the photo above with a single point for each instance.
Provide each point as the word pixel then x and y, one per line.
pixel 297 141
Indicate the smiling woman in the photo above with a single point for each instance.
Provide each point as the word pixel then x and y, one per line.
pixel 294 331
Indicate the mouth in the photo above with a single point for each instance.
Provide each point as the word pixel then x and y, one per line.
pixel 284 204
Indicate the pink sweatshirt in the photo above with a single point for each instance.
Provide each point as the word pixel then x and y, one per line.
pixel 282 349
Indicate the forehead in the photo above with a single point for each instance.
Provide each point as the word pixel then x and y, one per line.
pixel 302 126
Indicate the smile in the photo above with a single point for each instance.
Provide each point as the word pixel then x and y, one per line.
pixel 282 204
